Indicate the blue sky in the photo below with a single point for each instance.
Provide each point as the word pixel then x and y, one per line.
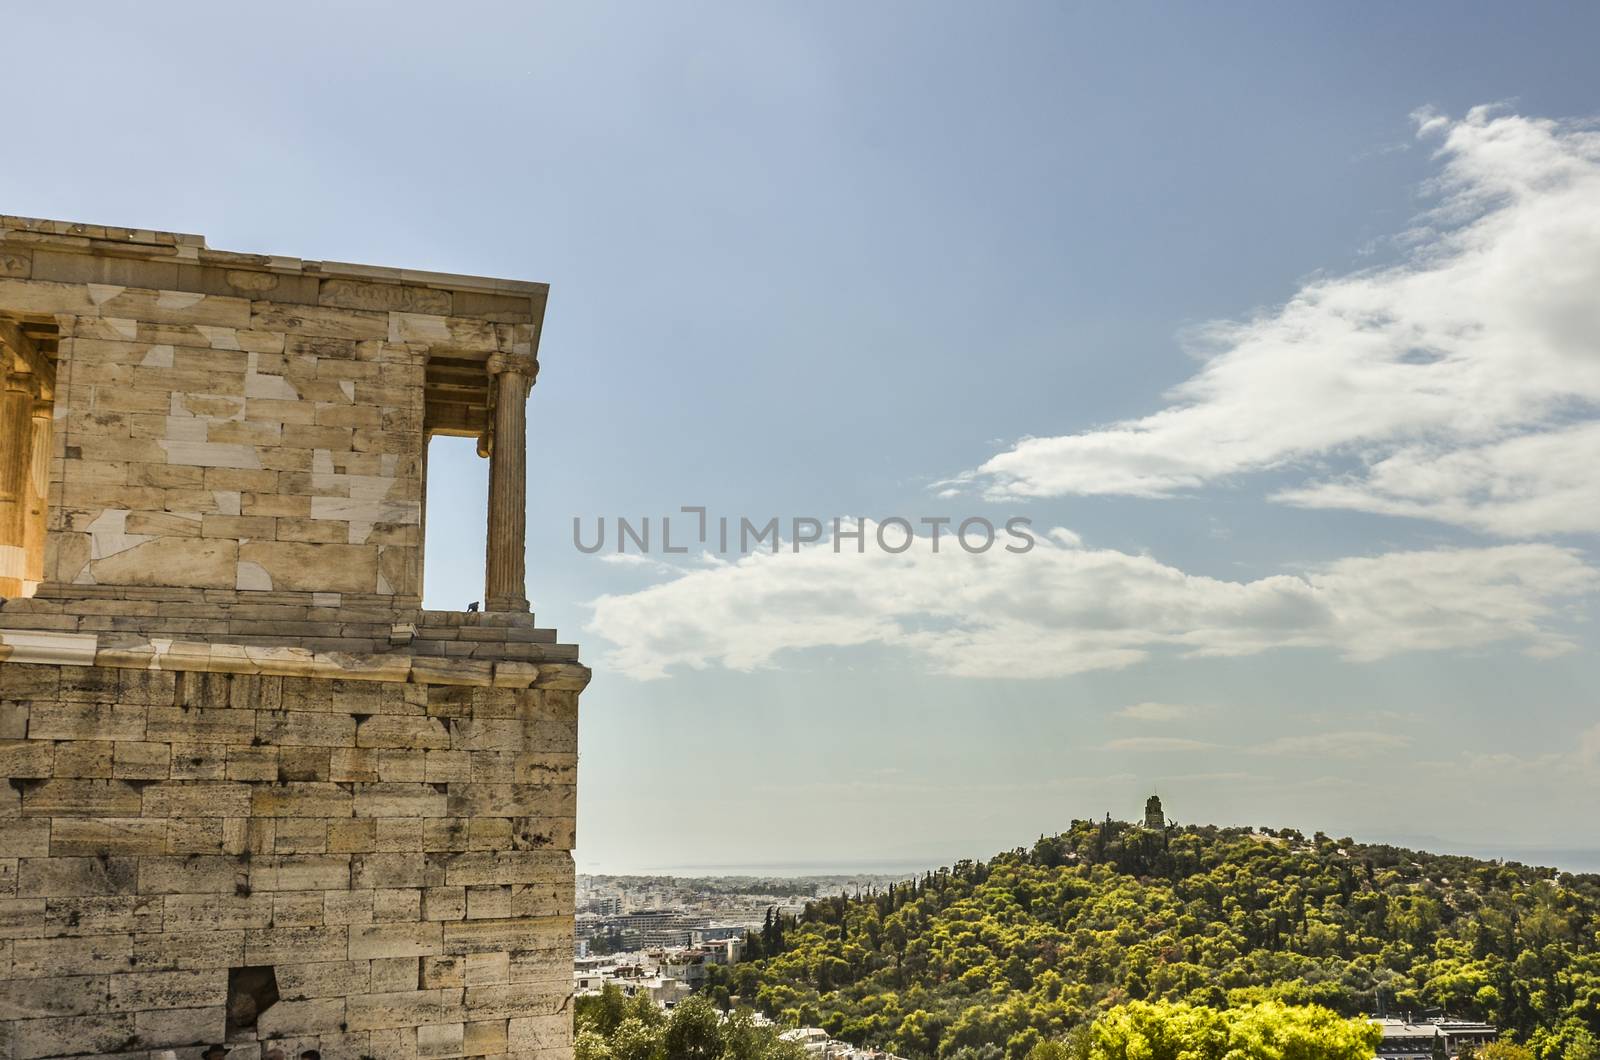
pixel 820 260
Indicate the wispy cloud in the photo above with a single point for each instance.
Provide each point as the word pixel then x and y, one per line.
pixel 1346 744
pixel 1064 609
pixel 1158 743
pixel 647 566
pixel 1578 761
pixel 1459 385
pixel 1157 712
pixel 1334 744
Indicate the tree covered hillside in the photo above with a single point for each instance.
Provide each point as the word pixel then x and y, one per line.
pixel 988 959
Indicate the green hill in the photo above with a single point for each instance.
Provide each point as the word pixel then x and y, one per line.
pixel 987 959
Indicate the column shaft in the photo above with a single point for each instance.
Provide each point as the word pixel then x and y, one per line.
pixel 506 565
pixel 16 451
pixel 36 530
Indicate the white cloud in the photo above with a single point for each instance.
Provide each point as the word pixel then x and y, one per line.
pixel 1542 482
pixel 1347 744
pixel 1156 712
pixel 1579 761
pixel 635 561
pixel 1354 744
pixel 1463 383
pixel 1158 743
pixel 1588 752
pixel 1063 609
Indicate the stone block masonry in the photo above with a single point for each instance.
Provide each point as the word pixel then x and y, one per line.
pixel 260 803
pixel 397 854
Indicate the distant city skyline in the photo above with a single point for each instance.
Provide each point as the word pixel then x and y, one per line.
pixel 1278 324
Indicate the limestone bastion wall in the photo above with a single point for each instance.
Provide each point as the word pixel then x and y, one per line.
pixel 395 854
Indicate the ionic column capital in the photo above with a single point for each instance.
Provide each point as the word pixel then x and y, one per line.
pixel 525 365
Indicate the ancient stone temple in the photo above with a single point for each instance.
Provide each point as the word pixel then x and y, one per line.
pixel 260 802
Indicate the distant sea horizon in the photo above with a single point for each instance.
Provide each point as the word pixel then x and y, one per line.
pixel 1566 859
pixel 777 869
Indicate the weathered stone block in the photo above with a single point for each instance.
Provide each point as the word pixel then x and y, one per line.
pixel 440 1040
pixel 302 728
pixel 71 836
pixel 114 914
pixel 222 911
pixel 388 870
pixel 285 945
pixel 301 872
pixel 135 760
pixel 192 874
pixel 485 1038
pixel 346 907
pixel 402 834
pixel 298 982
pixel 539 1036
pixel 91 955
pixel 165 990
pixel 353 294
pixel 369 941
pixel 178 948
pixel 24 838
pixel 73 995
pixel 252 763
pixel 399 801
pixel 444 903
pixel 163 1028
pixel 200 835
pixel 483 936
pixel 301 800
pixel 311 1016
pixel 169 560
pixel 80 798
pixel 201 724
pixel 69 1035
pixel 27 758
pixel 307 566
pixel 301 835
pixel 83 758
pixel 402 731
pixel 410 1008
pixel 196 799
pixel 198 761
pixel 85 721
pixel 397 905
pixel 488 902
pixel 304 764
pixel 350 836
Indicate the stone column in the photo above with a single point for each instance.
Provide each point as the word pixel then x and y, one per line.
pixel 505 569
pixel 35 532
pixel 16 453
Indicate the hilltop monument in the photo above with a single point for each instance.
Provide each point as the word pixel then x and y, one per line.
pixel 1153 817
pixel 257 793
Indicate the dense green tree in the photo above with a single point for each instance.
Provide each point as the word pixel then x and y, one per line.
pixel 1569 1040
pixel 1014 953
pixel 1271 1030
pixel 1501 1050
pixel 634 1039
pixel 611 1026
pixel 695 1031
pixel 607 1010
